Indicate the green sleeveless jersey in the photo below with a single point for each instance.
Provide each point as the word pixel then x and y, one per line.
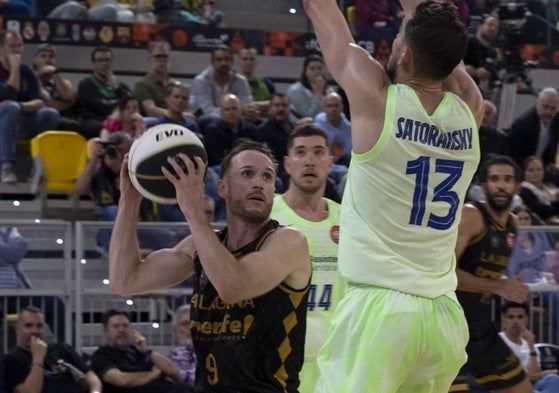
pixel 403 198
pixel 326 288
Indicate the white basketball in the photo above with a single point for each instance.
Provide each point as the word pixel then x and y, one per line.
pixel 149 153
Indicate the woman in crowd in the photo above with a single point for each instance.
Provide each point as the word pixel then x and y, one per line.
pixel 536 193
pixel 125 117
pixel 307 95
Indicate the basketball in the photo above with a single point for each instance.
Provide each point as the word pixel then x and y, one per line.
pixel 149 153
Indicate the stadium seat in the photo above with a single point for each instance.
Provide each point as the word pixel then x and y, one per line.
pixel 350 16
pixel 60 157
pixel 549 355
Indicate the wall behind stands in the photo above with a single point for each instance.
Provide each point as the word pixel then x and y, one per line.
pixel 130 64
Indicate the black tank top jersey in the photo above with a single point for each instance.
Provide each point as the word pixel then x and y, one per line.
pixel 487 256
pixel 253 346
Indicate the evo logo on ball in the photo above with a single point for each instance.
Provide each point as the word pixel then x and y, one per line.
pixel 165 134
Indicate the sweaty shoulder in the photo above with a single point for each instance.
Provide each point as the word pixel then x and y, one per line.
pixel 472 218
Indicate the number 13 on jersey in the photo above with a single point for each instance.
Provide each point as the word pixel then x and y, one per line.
pixel 442 192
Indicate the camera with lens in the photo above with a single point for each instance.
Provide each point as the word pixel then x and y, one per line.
pixel 109 149
pixel 512 37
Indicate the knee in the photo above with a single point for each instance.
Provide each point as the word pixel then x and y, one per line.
pixel 49 118
pixel 9 109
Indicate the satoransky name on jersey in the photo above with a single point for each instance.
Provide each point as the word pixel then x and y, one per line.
pixel 430 134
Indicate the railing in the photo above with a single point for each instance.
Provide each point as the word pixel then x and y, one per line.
pixel 69 273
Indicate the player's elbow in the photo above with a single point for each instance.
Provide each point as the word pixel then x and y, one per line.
pixel 230 294
pixel 118 287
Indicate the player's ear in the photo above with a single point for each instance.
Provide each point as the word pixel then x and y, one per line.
pixel 221 188
pixel 406 55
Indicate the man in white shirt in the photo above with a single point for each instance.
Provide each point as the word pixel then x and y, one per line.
pixel 521 341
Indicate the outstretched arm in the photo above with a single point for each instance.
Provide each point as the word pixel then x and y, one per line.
pixel 364 79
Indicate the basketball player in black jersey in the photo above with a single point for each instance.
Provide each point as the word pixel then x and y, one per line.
pixel 249 301
pixel 485 241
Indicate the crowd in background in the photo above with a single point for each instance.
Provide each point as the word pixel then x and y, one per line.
pixel 229 101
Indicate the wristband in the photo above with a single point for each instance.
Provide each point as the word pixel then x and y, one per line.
pixel 37 364
pixel 533 353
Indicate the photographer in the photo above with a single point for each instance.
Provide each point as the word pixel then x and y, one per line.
pixel 100 178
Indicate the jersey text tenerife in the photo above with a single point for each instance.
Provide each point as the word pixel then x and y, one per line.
pixel 403 198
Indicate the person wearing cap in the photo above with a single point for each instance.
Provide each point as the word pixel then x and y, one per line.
pixel 56 91
pixel 23 113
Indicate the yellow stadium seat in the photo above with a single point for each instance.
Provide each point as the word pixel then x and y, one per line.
pixel 350 14
pixel 61 157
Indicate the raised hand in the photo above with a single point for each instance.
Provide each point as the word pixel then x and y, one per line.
pixel 189 183
pixel 38 349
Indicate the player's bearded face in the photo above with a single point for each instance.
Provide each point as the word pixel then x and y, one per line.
pixel 499 200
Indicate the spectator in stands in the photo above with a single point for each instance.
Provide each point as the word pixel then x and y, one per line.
pixel 521 341
pixel 307 95
pixel 34 366
pixel 377 19
pixel 106 10
pixel 221 135
pixel 151 89
pixel 176 104
pixel 481 55
pixel 98 93
pixel 536 131
pixel 219 78
pixel 13 248
pixel 183 355
pixel 491 140
pixel 125 117
pixel 56 91
pixel 274 133
pixel 101 178
pixel 201 12
pixel 538 195
pixel 22 111
pixel 337 127
pixel 177 109
pixel 261 87
pixel 16 7
pixel 126 364
pixel 529 255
